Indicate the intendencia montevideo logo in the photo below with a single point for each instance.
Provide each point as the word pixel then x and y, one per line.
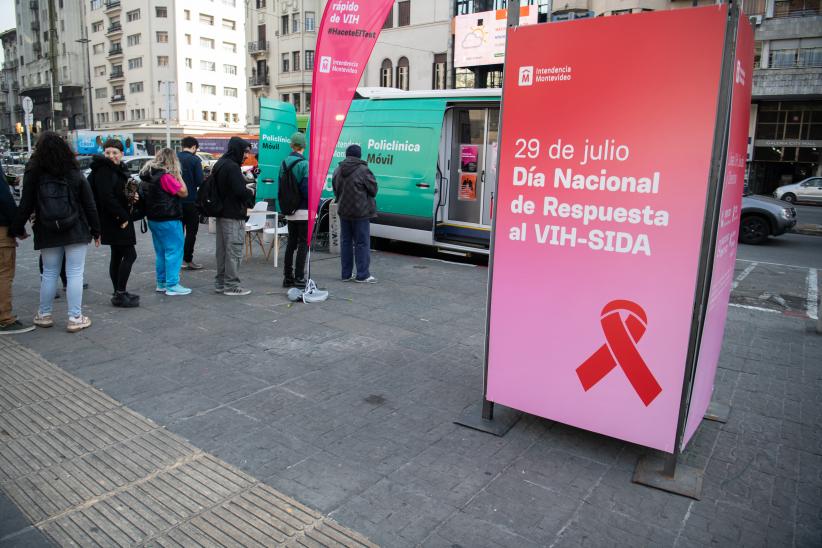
pixel 528 76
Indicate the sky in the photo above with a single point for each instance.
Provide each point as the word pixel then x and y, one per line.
pixel 6 17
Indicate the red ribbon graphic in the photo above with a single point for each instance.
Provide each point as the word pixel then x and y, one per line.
pixel 621 338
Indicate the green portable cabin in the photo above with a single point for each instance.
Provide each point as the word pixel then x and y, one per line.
pixel 434 155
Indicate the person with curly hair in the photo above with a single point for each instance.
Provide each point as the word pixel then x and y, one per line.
pixel 65 221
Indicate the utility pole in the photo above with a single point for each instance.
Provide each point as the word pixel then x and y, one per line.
pixel 56 106
pixel 85 41
pixel 168 113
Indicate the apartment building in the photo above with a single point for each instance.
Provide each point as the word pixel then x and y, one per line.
pixel 11 112
pixel 179 63
pixel 34 66
pixel 786 114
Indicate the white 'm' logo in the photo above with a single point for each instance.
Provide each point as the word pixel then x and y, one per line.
pixel 526 76
pixel 325 64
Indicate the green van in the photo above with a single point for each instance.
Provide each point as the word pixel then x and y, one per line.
pixel 434 154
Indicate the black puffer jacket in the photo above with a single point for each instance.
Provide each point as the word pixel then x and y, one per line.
pixel 88 225
pixel 237 198
pixel 158 204
pixel 355 189
pixel 108 181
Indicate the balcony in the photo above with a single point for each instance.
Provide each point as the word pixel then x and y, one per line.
pixel 115 50
pixel 258 81
pixel 116 75
pixel 111 5
pixel 4 87
pixel 37 47
pixel 35 25
pixel 10 65
pixel 261 46
pixel 34 5
pixel 15 86
pixel 119 98
pixel 114 28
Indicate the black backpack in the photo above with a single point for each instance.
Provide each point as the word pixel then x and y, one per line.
pixel 57 208
pixel 209 201
pixel 288 193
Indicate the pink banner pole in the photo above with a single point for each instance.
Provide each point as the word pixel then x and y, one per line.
pixel 347 35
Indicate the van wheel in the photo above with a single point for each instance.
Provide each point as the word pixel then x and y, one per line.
pixel 790 198
pixel 754 230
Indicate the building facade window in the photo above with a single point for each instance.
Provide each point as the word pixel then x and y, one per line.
pixel 190 87
pixel 310 21
pixel 296 58
pixel 230 92
pixel 206 19
pixel 162 37
pixel 133 40
pixel 207 43
pixel 284 25
pixel 309 59
pixel 285 64
pixel 133 15
pixel 135 63
pixel 207 89
pixel 403 73
pixel 209 66
pixel 386 74
pixel 100 93
pixel 135 87
pixel 230 69
pixel 296 102
pixel 403 13
pixel 438 80
pixel 229 47
pixel 161 12
pixel 229 24
pixel 97 26
pixel 162 60
pixel 188 62
pixel 389 20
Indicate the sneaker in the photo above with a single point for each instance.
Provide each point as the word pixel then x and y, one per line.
pixel 15 327
pixel 299 282
pixel 177 290
pixel 219 290
pixel 133 298
pixel 288 282
pixel 161 288
pixel 193 266
pixel 368 280
pixel 237 292
pixel 78 324
pixel 349 279
pixel 43 321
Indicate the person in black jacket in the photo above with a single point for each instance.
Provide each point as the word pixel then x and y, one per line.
pixel 117 206
pixel 191 168
pixel 355 190
pixel 9 324
pixel 237 197
pixel 53 167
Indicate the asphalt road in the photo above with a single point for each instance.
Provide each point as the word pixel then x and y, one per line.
pixel 808 214
pixel 788 249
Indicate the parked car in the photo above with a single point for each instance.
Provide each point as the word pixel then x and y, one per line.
pixel 133 163
pixel 208 161
pixel 763 217
pixel 808 191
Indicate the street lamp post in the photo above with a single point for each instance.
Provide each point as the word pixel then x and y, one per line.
pixel 85 41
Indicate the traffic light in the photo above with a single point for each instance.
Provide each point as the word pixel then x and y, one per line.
pixel 19 128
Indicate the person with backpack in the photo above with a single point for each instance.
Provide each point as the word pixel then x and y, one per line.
pixel 117 204
pixel 355 190
pixel 230 197
pixel 292 196
pixel 191 168
pixel 9 324
pixel 65 222
pixel 161 189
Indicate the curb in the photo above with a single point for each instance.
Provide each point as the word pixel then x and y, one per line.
pixel 808 230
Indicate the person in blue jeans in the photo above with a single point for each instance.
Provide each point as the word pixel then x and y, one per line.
pixel 65 222
pixel 161 189
pixel 355 191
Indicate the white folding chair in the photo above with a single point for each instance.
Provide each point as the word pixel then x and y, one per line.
pixel 276 231
pixel 254 228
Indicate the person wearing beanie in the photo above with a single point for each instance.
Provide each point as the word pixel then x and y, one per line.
pixel 297 166
pixel 355 191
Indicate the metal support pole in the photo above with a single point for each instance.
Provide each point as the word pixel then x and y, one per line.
pixel 55 70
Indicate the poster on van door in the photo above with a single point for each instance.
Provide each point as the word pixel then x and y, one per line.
pixel 599 216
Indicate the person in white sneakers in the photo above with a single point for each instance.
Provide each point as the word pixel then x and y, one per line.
pixel 65 222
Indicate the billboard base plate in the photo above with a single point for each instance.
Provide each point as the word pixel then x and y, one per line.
pixel 718 412
pixel 503 419
pixel 686 481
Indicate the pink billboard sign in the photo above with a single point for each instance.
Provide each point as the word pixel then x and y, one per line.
pixel 598 231
pixel 727 232
pixel 347 35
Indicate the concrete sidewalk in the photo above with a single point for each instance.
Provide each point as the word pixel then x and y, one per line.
pixel 347 406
